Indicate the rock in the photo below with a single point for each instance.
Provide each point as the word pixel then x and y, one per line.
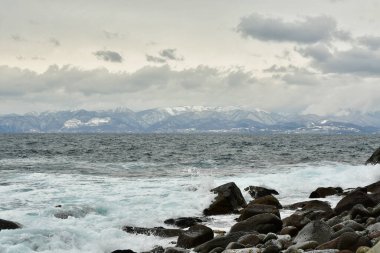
pixel 374 158
pixel 183 222
pixel 306 245
pixel 258 191
pixel 217 250
pixel 262 223
pixel 6 224
pixel 296 220
pixel 347 241
pixel 255 209
pixel 246 250
pixel 359 209
pixel 374 188
pixel 317 231
pixel 270 236
pixel 353 224
pixel 334 220
pixel 323 192
pixel 353 198
pixel 375 211
pixel 311 205
pixel 157 231
pixel 341 231
pixel 123 251
pixel 176 250
pixel 235 245
pixel 272 249
pixel 221 241
pixel 228 200
pixel 289 230
pixel 362 249
pixel 195 236
pixel 374 227
pixel 266 200
pixel 249 240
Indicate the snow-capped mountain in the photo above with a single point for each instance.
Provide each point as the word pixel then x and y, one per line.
pixel 189 119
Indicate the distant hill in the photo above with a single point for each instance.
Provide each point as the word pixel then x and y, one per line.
pixel 188 119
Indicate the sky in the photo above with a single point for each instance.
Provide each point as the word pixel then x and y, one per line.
pixel 292 56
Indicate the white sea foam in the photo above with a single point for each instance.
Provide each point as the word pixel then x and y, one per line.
pixel 101 205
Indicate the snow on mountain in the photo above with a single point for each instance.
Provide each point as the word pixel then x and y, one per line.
pixel 190 119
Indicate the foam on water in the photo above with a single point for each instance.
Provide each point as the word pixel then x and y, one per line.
pixel 99 205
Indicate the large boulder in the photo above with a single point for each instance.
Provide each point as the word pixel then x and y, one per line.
pixel 256 209
pixel 347 241
pixel 266 200
pixel 195 236
pixel 374 188
pixel 262 223
pixel 156 231
pixel 218 242
pixel 297 220
pixel 311 205
pixel 6 224
pixel 375 158
pixel 317 231
pixel 228 200
pixel 258 191
pixel 323 192
pixel 353 198
pixel 183 222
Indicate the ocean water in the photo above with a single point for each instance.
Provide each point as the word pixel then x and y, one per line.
pixel 108 181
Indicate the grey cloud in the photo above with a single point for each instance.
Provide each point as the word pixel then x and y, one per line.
pixel 372 42
pixel 301 77
pixel 170 54
pixel 319 52
pixel 18 38
pixel 356 60
pixel 280 69
pixel 107 55
pixel 111 35
pixel 54 42
pixel 308 30
pixel 151 58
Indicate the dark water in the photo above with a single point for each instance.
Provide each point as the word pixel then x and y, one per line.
pixel 163 154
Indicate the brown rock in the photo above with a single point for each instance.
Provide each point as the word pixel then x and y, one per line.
pixel 323 192
pixel 255 209
pixel 266 200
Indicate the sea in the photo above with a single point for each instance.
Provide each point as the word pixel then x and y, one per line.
pixel 106 181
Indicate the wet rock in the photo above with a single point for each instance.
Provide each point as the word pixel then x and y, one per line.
pixel 270 236
pixel 306 245
pixel 249 240
pixel 317 231
pixel 235 245
pixel 246 250
pixel 352 199
pixel 176 250
pixel 375 212
pixel 183 222
pixel 323 192
pixel 374 158
pixel 262 223
pixel 311 205
pixel 353 224
pixel 334 220
pixel 258 191
pixel 374 188
pixel 156 231
pixel 195 236
pixel 228 200
pixel 156 249
pixel 289 230
pixel 296 220
pixel 266 200
pixel 221 241
pixel 6 224
pixel 254 209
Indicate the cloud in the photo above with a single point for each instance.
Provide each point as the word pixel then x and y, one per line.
pixel 107 55
pixel 371 42
pixel 54 42
pixel 306 31
pixel 356 60
pixel 170 54
pixel 18 38
pixel 111 35
pixel 151 58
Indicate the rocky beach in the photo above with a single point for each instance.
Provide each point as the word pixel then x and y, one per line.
pixel 315 226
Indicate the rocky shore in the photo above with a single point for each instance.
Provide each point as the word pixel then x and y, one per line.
pixel 352 226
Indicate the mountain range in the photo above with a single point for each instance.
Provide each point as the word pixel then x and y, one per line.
pixel 186 119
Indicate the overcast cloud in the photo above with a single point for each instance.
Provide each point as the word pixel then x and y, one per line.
pixel 284 56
